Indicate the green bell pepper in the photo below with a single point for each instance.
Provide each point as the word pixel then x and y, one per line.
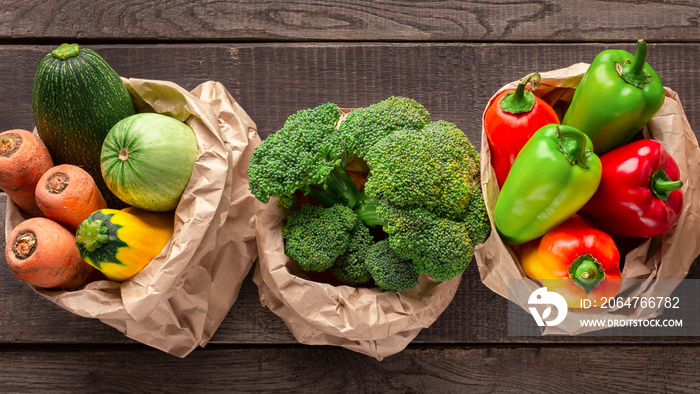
pixel 553 176
pixel 618 95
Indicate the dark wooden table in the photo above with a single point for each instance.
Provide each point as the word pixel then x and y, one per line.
pixel 279 56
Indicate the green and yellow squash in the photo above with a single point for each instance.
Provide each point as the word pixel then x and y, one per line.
pixel 120 243
pixel 147 160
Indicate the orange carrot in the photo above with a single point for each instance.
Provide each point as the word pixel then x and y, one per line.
pixel 68 194
pixel 43 253
pixel 23 160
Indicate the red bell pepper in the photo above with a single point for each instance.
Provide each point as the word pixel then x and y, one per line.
pixel 575 260
pixel 511 119
pixel 639 193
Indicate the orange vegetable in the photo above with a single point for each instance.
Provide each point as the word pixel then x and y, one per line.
pixel 576 260
pixel 43 253
pixel 68 194
pixel 23 160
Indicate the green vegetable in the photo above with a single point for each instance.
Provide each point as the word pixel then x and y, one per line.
pixel 424 183
pixel 316 237
pixel 477 220
pixel 76 99
pixel 553 176
pixel 435 168
pixel 301 157
pixel 350 267
pixel 439 247
pixel 147 160
pixel 423 188
pixel 618 95
pixel 363 127
pixel 389 270
pixel 319 239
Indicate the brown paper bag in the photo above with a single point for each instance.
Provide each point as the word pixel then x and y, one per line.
pixel 367 320
pixel 668 256
pixel 177 302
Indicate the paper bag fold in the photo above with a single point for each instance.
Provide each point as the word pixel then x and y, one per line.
pixel 177 302
pixel 668 256
pixel 366 320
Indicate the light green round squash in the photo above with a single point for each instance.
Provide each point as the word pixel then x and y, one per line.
pixel 147 160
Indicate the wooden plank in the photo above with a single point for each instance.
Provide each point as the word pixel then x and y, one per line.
pixel 271 81
pixel 281 20
pixel 320 369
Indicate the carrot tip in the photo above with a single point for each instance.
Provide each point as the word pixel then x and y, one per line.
pixel 57 183
pixel 9 144
pixel 24 245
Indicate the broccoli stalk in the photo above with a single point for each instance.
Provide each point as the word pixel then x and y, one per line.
pixel 367 213
pixel 338 188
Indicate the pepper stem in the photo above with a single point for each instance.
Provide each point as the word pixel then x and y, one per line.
pixel 633 72
pixel 586 272
pixel 521 100
pixel 662 186
pixel 66 51
pixel 573 144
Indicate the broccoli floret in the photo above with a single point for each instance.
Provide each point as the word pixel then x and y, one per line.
pixel 439 247
pixel 316 236
pixel 301 156
pixel 436 168
pixel 350 267
pixel 389 270
pixel 426 191
pixel 363 127
pixel 477 220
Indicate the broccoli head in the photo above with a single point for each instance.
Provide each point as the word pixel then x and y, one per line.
pixel 363 127
pixel 436 168
pixel 300 156
pixel 477 220
pixel 389 270
pixel 438 247
pixel 315 236
pixel 426 191
pixel 350 267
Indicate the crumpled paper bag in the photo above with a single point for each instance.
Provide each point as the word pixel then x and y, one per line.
pixel 668 256
pixel 177 302
pixel 366 320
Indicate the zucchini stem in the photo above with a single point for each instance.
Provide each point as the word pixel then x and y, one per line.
pixel 92 234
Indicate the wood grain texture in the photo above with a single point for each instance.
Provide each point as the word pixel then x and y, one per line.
pixel 272 81
pixel 282 20
pixel 323 369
